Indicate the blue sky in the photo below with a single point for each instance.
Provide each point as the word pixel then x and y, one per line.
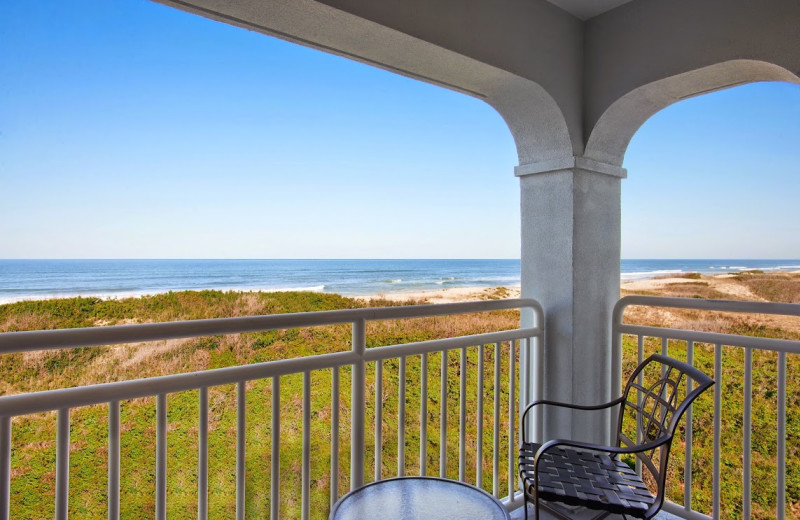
pixel 132 130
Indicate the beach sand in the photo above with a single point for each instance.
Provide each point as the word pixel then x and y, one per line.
pixel 719 282
pixel 449 295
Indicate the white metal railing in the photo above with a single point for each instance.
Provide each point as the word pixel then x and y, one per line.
pixel 690 338
pixel 524 342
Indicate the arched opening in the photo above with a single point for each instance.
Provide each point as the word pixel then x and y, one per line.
pixel 613 131
pixel 229 143
pixel 123 167
pixel 712 188
pixel 716 176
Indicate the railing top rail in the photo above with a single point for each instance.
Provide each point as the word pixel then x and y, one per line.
pixel 49 400
pixel 11 342
pixel 732 340
pixel 784 309
pixel 438 345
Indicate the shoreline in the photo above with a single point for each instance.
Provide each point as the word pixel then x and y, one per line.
pixel 444 295
pixel 449 294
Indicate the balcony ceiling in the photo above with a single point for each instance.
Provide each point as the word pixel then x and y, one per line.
pixel 585 9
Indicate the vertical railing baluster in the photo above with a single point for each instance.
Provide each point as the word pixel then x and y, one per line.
pixel 378 419
pixel 62 465
pixel 113 460
pixel 687 461
pixel 747 425
pixel 306 461
pixel 496 433
pixel 639 432
pixel 202 455
pixel 640 356
pixel 241 429
pixel 423 417
pixel 511 421
pixel 161 457
pixel 401 419
pixel 538 353
pixel 275 462
pixel 717 429
pixel 479 426
pixel 5 468
pixel 781 509
pixel 462 415
pixel 359 340
pixel 524 382
pixel 443 419
pixel 334 490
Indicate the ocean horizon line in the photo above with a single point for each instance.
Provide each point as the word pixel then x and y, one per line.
pixel 28 259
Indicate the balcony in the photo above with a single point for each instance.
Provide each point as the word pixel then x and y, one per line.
pixel 573 80
pixel 445 407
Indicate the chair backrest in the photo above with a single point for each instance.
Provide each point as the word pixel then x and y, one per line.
pixel 656 396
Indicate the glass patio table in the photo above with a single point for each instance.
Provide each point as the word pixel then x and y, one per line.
pixel 418 498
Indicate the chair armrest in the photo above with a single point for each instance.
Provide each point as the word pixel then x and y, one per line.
pixel 566 405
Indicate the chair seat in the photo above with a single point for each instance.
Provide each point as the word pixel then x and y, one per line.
pixel 585 478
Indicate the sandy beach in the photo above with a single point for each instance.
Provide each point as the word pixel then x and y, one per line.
pixel 720 282
pixel 449 295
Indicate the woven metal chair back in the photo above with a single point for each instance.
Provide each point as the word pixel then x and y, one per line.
pixel 656 396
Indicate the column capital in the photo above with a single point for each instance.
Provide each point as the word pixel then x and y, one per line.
pixel 570 163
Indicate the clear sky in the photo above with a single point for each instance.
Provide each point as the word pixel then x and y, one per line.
pixel 132 130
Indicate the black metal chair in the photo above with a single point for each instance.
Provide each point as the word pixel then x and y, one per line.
pixel 604 478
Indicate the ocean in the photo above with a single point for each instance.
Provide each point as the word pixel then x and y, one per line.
pixel 40 279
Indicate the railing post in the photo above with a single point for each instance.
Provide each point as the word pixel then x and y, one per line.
pixel 616 368
pixel 357 403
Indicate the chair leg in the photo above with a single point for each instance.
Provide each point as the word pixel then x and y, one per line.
pixel 525 503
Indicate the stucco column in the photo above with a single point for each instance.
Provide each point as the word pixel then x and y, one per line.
pixel 571 264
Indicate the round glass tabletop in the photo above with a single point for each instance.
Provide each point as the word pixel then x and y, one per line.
pixel 418 498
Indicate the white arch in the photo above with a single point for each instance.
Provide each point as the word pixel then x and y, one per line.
pixel 536 122
pixel 611 135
